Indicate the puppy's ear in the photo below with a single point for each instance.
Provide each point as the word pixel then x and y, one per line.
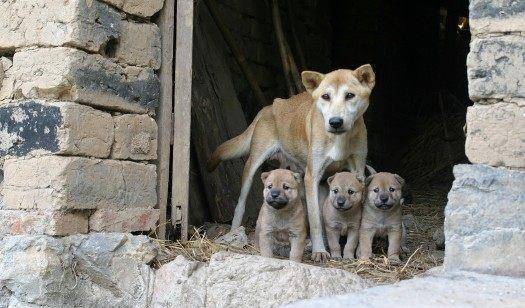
pixel 400 180
pixel 311 80
pixel 369 179
pixel 298 177
pixel 264 176
pixel 365 74
pixel 330 179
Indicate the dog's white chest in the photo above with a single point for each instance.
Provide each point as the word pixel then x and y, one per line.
pixel 339 149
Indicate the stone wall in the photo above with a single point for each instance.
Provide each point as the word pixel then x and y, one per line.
pixel 78 95
pixel 484 225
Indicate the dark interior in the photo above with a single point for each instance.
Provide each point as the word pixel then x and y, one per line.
pixel 417 49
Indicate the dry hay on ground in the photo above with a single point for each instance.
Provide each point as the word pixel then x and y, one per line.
pixel 428 215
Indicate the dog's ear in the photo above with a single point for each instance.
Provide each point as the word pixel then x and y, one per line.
pixel 400 180
pixel 264 176
pixel 365 74
pixel 368 180
pixel 311 80
pixel 330 179
pixel 298 177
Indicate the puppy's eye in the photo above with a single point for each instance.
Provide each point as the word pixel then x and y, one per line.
pixel 351 192
pixel 326 96
pixel 335 190
pixel 349 96
pixel 376 190
pixel 270 186
pixel 286 187
pixel 392 189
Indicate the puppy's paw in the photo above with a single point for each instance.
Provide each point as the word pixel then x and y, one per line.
pixel 349 256
pixel 394 259
pixel 336 256
pixel 320 256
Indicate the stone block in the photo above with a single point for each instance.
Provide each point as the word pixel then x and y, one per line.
pixel 142 8
pixel 69 74
pixel 89 25
pixel 6 79
pixel 489 16
pixel 484 228
pixel 494 68
pixel 135 137
pixel 94 270
pixel 60 182
pixel 42 222
pixel 36 127
pixel 127 220
pixel 496 134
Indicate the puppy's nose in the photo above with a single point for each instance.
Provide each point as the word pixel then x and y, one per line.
pixel 383 197
pixel 340 201
pixel 335 122
pixel 275 193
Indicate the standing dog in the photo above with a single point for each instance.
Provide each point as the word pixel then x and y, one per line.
pixel 382 214
pixel 318 129
pixel 282 215
pixel 342 213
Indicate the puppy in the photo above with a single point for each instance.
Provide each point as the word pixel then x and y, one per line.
pixel 282 215
pixel 382 214
pixel 342 213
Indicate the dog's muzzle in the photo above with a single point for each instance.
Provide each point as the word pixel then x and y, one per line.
pixel 384 206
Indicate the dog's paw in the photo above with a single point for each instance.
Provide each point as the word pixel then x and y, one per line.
pixel 335 256
pixel 320 256
pixel 394 259
pixel 349 257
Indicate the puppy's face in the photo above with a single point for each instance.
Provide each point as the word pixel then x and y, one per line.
pixel 341 96
pixel 384 190
pixel 281 187
pixel 346 191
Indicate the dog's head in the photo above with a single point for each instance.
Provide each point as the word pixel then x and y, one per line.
pixel 384 190
pixel 346 191
pixel 281 187
pixel 342 96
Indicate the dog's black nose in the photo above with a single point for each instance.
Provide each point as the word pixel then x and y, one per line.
pixel 383 198
pixel 274 193
pixel 335 122
pixel 340 201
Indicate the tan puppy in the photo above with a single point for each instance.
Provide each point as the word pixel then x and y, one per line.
pixel 342 213
pixel 282 215
pixel 382 214
pixel 319 130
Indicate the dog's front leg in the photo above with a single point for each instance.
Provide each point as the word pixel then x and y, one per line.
pixel 297 243
pixel 265 243
pixel 312 179
pixel 366 237
pixel 333 243
pixel 351 243
pixel 357 163
pixel 394 243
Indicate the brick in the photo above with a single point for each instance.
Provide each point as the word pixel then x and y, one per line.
pixel 484 227
pixel 496 134
pixel 69 74
pixel 494 68
pixel 38 127
pixel 142 8
pixel 16 222
pixel 60 183
pixel 489 16
pixel 85 24
pixel 128 220
pixel 135 137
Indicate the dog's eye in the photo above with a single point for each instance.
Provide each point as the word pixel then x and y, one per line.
pixel 349 96
pixel 326 96
pixel 392 189
pixel 286 187
pixel 351 192
pixel 376 190
pixel 270 186
pixel 335 190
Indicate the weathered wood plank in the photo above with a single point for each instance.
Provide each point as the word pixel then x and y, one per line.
pixel 182 112
pixel 166 25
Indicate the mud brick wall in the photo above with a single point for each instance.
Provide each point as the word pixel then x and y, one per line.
pixel 484 225
pixel 78 92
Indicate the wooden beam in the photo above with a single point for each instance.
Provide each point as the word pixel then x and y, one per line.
pixel 182 113
pixel 166 25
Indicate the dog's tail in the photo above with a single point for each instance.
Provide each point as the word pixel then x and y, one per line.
pixel 233 148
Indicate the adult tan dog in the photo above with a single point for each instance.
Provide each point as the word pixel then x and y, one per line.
pixel 342 213
pixel 320 129
pixel 382 214
pixel 282 216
